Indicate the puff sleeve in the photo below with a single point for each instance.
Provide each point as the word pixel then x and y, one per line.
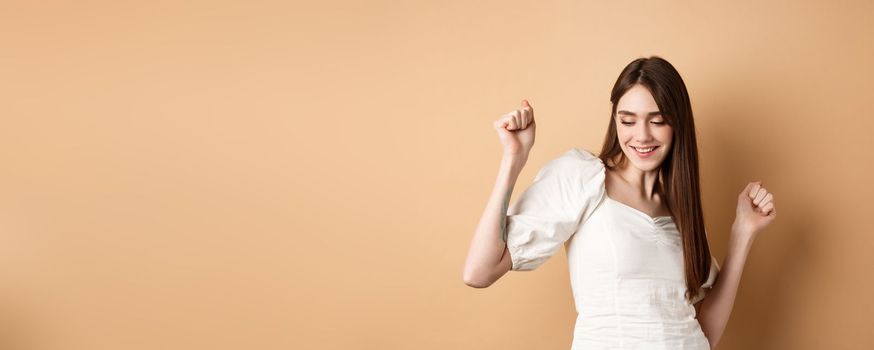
pixel 702 291
pixel 564 193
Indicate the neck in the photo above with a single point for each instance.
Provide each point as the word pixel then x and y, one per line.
pixel 644 182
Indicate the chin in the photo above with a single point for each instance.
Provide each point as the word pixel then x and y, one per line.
pixel 650 164
pixel 645 166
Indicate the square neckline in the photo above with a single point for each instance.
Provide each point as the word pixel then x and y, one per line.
pixel 651 218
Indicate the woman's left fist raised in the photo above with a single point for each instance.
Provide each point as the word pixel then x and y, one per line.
pixel 755 209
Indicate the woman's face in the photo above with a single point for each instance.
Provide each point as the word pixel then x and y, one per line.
pixel 640 126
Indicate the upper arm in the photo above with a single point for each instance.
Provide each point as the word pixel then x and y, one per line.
pixel 506 263
pixel 564 193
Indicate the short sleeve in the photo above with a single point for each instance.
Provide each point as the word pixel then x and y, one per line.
pixel 711 277
pixel 564 194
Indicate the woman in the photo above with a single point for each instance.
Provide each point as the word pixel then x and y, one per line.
pixel 630 218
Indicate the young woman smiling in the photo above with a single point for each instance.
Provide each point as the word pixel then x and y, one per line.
pixel 631 220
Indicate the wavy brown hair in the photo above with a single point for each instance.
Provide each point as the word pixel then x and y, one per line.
pixel 678 181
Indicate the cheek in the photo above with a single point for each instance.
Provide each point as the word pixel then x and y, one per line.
pixel 622 135
pixel 666 134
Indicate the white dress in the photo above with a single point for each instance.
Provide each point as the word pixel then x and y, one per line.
pixel 626 268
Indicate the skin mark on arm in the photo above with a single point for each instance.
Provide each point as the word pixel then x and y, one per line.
pixel 503 214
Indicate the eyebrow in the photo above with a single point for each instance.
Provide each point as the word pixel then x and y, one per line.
pixel 623 112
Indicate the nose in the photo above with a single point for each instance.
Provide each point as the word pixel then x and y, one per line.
pixel 642 133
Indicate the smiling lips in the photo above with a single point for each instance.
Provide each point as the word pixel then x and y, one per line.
pixel 644 152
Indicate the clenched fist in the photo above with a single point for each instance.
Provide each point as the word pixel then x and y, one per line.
pixel 516 130
pixel 755 209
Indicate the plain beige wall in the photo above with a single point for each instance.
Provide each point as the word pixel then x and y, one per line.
pixel 279 175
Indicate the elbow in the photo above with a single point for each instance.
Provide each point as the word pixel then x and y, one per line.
pixel 477 283
pixel 476 279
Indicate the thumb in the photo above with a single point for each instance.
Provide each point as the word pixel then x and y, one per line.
pixel 525 104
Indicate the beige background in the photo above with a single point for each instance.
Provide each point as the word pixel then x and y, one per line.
pixel 279 175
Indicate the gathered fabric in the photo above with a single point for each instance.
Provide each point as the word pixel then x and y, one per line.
pixel 626 267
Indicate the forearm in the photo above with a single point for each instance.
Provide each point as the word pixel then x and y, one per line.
pixel 488 242
pixel 719 302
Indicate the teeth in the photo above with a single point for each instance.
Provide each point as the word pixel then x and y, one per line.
pixel 644 150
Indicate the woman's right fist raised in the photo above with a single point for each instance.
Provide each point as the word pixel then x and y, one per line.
pixel 516 130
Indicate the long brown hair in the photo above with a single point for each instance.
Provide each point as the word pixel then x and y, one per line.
pixel 679 171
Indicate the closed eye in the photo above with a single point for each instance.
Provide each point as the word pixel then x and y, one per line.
pixel 632 123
